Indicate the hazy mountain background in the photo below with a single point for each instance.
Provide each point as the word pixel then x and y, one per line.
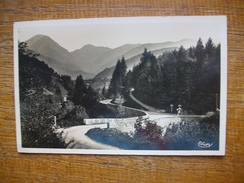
pixel 95 61
pixel 57 57
pixel 87 56
pixel 131 62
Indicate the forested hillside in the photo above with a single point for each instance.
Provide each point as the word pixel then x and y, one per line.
pixel 49 101
pixel 37 103
pixel 189 77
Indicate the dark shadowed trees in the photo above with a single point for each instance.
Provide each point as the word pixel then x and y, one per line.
pixel 190 77
pixel 118 78
pixel 79 91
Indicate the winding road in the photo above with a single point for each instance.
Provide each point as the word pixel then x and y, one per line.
pixel 75 138
pixel 142 104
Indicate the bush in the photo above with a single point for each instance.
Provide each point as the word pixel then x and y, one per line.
pixel 38 131
pixel 148 135
pixel 37 122
pixel 118 139
pixel 145 138
pixel 187 134
pixel 151 132
pixel 71 115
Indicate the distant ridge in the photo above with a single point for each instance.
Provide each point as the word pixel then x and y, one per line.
pixel 131 62
pixel 90 60
pixel 139 48
pixel 57 57
pixel 88 54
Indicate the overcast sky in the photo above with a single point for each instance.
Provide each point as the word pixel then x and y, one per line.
pixel 74 34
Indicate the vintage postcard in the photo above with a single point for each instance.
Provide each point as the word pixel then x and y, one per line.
pixel 128 86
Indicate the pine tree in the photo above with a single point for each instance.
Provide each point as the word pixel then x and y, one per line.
pixel 181 55
pixel 80 91
pixel 104 91
pixel 209 49
pixel 123 68
pixel 146 78
pixel 91 98
pixel 145 55
pixel 199 52
pixel 114 83
pixel 118 78
pixel 192 52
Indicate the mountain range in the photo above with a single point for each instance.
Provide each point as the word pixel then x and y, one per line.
pixel 95 61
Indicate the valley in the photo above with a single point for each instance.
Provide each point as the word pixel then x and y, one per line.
pixel 94 62
pixel 62 89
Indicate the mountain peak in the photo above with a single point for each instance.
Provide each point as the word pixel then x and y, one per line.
pixel 88 46
pixel 41 36
pixel 41 40
pixel 48 48
pixel 38 37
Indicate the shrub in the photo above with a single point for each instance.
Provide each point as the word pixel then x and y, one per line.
pixel 148 131
pixel 187 134
pixel 118 139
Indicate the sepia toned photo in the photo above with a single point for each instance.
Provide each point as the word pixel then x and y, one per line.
pixel 128 86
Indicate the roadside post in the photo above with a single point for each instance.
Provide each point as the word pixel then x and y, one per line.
pixel 55 121
pixel 171 108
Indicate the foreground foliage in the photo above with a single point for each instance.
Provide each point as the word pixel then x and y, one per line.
pixel 185 135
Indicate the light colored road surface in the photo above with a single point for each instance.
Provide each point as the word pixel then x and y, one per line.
pixel 75 138
pixel 142 104
pixel 107 101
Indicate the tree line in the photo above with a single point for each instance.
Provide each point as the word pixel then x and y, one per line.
pixel 38 108
pixel 189 77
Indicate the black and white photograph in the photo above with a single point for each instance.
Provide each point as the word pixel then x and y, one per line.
pixel 126 86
